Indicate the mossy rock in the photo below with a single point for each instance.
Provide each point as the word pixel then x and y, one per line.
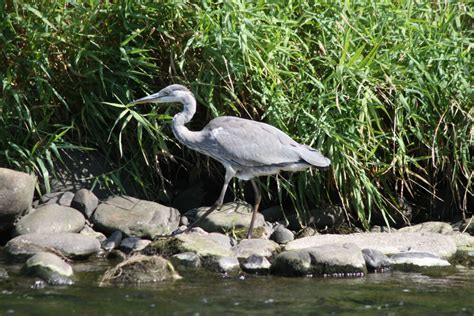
pixel 201 244
pixel 141 269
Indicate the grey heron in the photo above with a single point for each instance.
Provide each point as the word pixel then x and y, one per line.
pixel 246 148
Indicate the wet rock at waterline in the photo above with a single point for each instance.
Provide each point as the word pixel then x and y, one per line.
pixel 50 268
pixel 221 264
pixel 229 216
pixel 16 195
pixel 51 218
pixel 256 264
pixel 186 260
pixel 375 260
pixel 258 247
pixel 135 217
pixel 141 269
pixel 85 201
pixel 419 262
pixel 339 260
pixel 70 245
pixel 388 243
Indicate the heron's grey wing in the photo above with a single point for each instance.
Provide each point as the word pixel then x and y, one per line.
pixel 250 143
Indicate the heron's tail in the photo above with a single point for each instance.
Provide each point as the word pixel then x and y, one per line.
pixel 314 157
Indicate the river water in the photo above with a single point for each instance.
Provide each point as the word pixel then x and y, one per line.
pixel 201 293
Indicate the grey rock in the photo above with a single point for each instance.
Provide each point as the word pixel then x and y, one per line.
pixel 221 264
pixel 141 269
pixel 259 247
pixel 388 243
pixel 66 199
pixel 256 264
pixel 382 229
pixel 51 218
pixel 70 245
pixel 135 217
pixel 292 263
pixel 428 227
pixel 186 260
pixel 16 195
pixel 50 198
pixel 113 241
pixel 421 262
pixel 229 216
pixel 89 231
pixel 282 235
pixel 130 244
pixel 326 260
pixel 375 260
pixel 462 239
pixel 85 201
pixel 50 268
pixel 203 244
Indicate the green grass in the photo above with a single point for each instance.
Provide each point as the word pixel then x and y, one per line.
pixel 382 88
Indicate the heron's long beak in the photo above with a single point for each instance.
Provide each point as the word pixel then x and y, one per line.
pixel 152 98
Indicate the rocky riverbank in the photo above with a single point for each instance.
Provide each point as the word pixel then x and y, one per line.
pixel 53 234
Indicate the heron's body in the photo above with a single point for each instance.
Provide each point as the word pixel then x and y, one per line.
pixel 246 148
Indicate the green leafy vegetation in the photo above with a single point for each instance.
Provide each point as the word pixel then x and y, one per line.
pixel 382 88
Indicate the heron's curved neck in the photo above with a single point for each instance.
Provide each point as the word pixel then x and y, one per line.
pixel 181 132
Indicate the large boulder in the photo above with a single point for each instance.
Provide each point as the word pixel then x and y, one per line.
pixel 388 243
pixel 51 218
pixel 227 217
pixel 141 269
pixel 69 245
pixel 135 217
pixel 16 195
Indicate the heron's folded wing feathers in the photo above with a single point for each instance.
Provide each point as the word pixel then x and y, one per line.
pixel 250 143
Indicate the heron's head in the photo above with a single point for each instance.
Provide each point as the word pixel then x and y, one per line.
pixel 173 93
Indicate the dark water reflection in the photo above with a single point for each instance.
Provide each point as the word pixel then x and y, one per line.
pixel 211 294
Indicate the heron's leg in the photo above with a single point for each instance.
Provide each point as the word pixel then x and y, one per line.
pixel 258 199
pixel 229 174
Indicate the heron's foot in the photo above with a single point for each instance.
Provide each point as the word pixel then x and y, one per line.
pixel 249 234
